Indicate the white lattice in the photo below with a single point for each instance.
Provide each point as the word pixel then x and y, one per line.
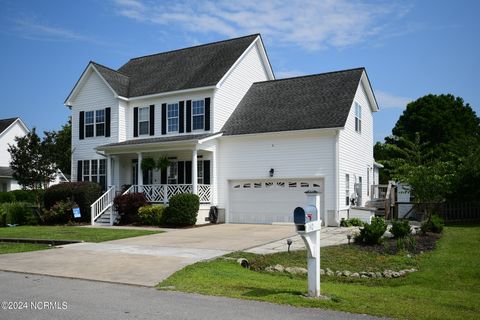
pixel 173 189
pixel 204 193
pixel 154 192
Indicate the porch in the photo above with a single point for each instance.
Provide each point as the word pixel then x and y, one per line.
pixel 161 193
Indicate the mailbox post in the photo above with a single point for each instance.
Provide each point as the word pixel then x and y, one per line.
pixel 307 223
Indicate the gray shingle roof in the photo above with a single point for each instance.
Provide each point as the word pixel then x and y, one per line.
pixel 179 138
pixel 5 123
pixel 187 68
pixel 309 102
pixel 6 172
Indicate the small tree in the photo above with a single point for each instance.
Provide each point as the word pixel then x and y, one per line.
pixel 32 162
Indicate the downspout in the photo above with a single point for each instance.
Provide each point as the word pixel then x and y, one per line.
pixel 337 173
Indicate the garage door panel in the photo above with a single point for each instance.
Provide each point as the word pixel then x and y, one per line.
pixel 256 201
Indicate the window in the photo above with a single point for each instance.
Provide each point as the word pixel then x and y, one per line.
pixel 358 117
pixel 89 124
pixel 347 189
pixel 143 120
pixel 100 123
pixel 368 181
pixel 172 173
pixel 172 116
pixel 200 172
pixel 198 114
pixel 95 171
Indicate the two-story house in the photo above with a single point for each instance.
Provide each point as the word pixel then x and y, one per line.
pixel 243 141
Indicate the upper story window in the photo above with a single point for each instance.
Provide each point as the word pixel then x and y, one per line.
pixel 89 124
pixel 358 117
pixel 94 123
pixel 198 114
pixel 100 122
pixel 143 120
pixel 172 117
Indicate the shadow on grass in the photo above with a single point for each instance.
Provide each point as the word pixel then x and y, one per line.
pixel 260 292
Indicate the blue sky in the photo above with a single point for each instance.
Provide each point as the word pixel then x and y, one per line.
pixel 410 48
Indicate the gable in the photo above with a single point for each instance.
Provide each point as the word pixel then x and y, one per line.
pixel 91 85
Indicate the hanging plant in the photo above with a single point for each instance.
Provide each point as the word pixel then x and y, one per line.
pixel 163 163
pixel 148 164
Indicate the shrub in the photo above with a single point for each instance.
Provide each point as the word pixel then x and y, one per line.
pixel 400 228
pixel 28 195
pixel 59 213
pixel 182 210
pixel 127 206
pixel 151 215
pixel 372 233
pixel 352 222
pixel 19 213
pixel 82 193
pixel 6 197
pixel 434 224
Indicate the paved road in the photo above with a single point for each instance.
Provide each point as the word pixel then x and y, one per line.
pixel 82 299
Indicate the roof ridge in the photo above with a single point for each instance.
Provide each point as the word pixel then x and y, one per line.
pixel 197 46
pixel 101 65
pixel 312 75
pixel 12 118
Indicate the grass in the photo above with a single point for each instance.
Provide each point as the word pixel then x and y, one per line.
pixel 445 287
pixel 71 233
pixel 6 247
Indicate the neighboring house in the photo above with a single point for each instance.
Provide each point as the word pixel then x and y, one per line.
pixel 243 141
pixel 9 129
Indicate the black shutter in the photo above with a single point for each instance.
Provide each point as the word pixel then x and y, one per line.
pixel 152 119
pixel 135 122
pixel 189 115
pixel 206 171
pixel 108 120
pixel 207 114
pixel 181 117
pixel 79 170
pixel 188 172
pixel 181 172
pixel 164 118
pixel 163 176
pixel 81 125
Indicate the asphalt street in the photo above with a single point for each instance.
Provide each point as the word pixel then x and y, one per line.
pixel 26 296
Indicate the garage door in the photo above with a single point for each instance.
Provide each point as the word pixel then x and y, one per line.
pixel 257 201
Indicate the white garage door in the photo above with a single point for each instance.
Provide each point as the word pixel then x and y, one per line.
pixel 257 201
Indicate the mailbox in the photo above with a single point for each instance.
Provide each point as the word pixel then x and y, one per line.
pixel 305 215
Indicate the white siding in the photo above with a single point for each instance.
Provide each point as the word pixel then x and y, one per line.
pixel 6 138
pixel 293 155
pixel 356 149
pixel 93 95
pixel 249 70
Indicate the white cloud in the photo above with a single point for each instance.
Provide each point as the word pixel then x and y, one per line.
pixel 288 74
pixel 387 100
pixel 310 24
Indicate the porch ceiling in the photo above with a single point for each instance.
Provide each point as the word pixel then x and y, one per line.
pixel 180 141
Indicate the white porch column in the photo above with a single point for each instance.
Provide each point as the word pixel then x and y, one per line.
pixel 109 171
pixel 140 172
pixel 194 171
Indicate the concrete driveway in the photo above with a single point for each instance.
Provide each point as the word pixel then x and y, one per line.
pixel 144 260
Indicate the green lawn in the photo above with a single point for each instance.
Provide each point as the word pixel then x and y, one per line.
pixel 71 233
pixel 6 247
pixel 446 286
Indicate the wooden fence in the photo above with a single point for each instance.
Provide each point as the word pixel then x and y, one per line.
pixel 451 212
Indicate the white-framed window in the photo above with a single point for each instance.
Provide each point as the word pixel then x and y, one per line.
pixel 198 114
pixel 100 122
pixel 96 171
pixel 358 117
pixel 89 124
pixel 143 120
pixel 94 123
pixel 347 189
pixel 368 181
pixel 172 176
pixel 200 172
pixel 172 117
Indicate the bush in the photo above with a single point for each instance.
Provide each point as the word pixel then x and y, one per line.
pixel 434 224
pixel 82 193
pixel 182 210
pixel 6 197
pixel 151 215
pixel 352 222
pixel 28 195
pixel 59 213
pixel 19 213
pixel 400 228
pixel 372 233
pixel 127 206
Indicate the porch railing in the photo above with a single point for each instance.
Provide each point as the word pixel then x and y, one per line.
pixel 379 191
pixel 102 204
pixel 161 193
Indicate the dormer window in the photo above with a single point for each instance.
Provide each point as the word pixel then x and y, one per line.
pixel 198 114
pixel 143 120
pixel 172 117
pixel 358 117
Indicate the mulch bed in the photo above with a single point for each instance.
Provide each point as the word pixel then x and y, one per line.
pixel 421 243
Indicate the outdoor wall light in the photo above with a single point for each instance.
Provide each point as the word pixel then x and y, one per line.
pixel 271 172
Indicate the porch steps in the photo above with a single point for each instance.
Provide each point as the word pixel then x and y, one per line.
pixel 104 219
